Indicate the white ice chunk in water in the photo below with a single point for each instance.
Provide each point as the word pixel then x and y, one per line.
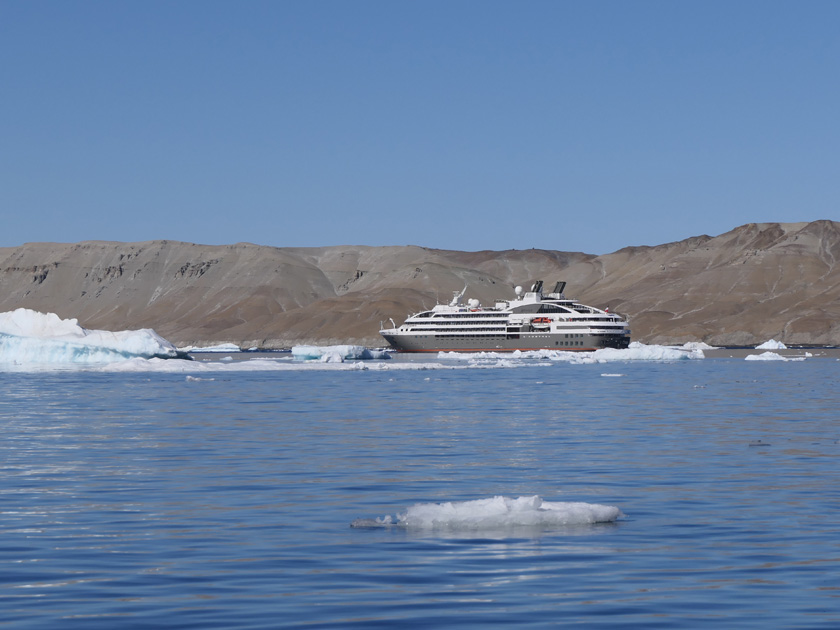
pixel 28 337
pixel 337 354
pixel 636 352
pixel 642 352
pixel 771 345
pixel 222 347
pixel 697 345
pixel 497 513
pixel 771 356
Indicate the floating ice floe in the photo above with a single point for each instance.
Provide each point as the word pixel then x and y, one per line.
pixel 772 356
pixel 31 338
pixel 222 347
pixel 337 354
pixel 496 513
pixel 228 365
pixel 636 352
pixel 771 345
pixel 696 345
pixel 319 358
pixel 642 352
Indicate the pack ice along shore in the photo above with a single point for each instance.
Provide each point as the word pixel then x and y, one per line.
pixel 531 321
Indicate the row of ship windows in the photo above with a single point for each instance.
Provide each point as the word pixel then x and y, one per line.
pixel 468 316
pixel 569 342
pixel 484 330
pixel 455 320
pixel 444 329
pixel 462 336
pixel 496 334
pixel 474 327
pixel 530 308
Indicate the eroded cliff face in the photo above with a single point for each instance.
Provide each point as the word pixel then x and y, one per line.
pixel 757 282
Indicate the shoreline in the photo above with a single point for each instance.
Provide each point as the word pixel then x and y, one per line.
pixel 712 353
pixel 788 353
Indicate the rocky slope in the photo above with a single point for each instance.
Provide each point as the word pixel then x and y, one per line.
pixel 757 282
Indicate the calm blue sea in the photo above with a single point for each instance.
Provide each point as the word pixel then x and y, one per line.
pixel 149 499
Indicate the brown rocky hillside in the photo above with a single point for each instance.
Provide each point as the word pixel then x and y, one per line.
pixel 756 282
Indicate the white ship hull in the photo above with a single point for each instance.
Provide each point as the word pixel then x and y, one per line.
pixel 532 321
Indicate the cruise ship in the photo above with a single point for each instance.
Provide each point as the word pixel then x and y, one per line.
pixel 533 320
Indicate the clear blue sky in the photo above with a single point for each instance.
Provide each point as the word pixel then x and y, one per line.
pixel 457 124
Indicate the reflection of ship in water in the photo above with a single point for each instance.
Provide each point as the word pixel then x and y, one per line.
pixel 533 320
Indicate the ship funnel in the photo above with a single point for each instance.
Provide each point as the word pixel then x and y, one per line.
pixel 558 288
pixel 537 286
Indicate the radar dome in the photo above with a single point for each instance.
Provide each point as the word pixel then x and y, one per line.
pixel 518 290
pixel 473 303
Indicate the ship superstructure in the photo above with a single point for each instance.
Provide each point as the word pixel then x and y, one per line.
pixel 533 320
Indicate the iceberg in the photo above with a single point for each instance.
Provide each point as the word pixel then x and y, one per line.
pixel 771 345
pixel 337 354
pixel 29 337
pixel 496 513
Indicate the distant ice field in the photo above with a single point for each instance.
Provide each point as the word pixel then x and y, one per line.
pixel 31 341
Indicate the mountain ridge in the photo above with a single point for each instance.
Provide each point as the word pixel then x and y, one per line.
pixel 755 282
